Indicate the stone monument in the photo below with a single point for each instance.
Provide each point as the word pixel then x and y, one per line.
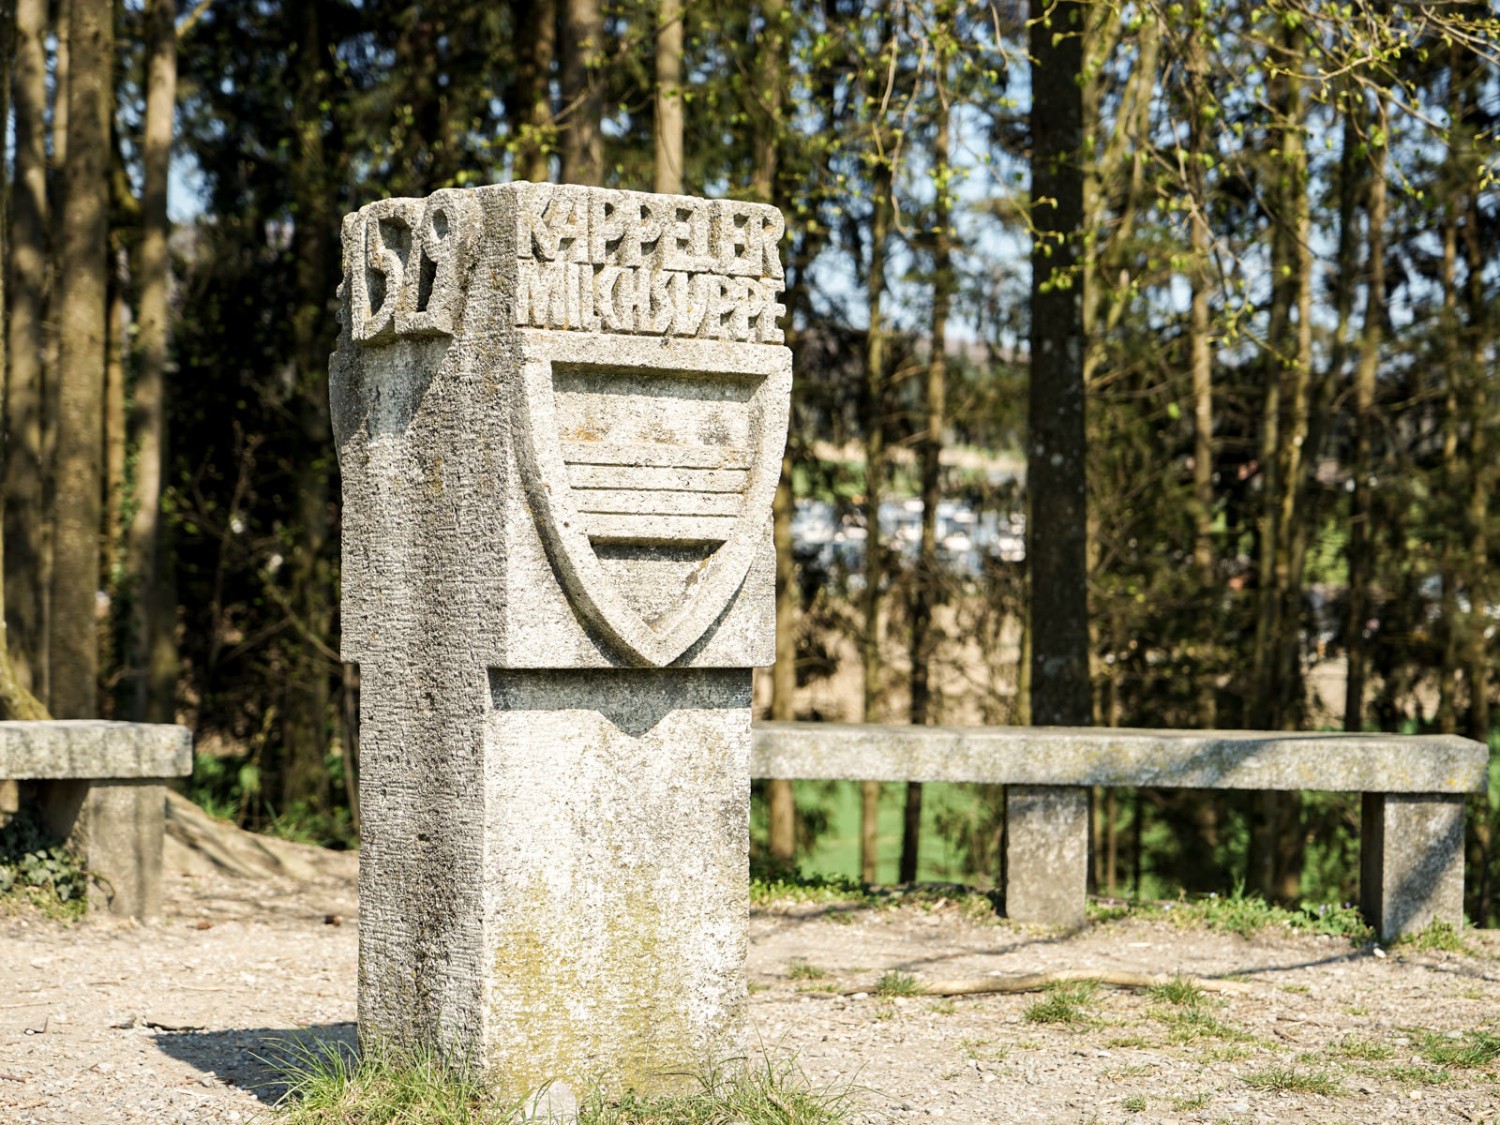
pixel 560 414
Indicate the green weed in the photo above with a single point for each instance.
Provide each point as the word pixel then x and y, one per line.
pixel 1474 1049
pixel 1187 1105
pixel 1065 1004
pixel 1178 990
pixel 1286 1080
pixel 330 1084
pixel 1353 1047
pixel 801 970
pixel 1190 1024
pixel 1136 1103
pixel 896 983
pixel 1438 937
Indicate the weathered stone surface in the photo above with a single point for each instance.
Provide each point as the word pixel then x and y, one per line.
pixel 119 828
pixel 560 414
pixel 84 748
pixel 1411 861
pixel 1170 759
pixel 1046 854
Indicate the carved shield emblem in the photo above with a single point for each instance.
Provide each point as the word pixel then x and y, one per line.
pixel 650 466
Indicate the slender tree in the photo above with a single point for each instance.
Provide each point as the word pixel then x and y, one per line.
pixel 152 651
pixel 537 34
pixel 668 92
pixel 74 651
pixel 1057 545
pixel 583 93
pixel 26 518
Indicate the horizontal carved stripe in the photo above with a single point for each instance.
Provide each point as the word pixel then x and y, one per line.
pixel 655 453
pixel 614 528
pixel 663 479
pixel 645 503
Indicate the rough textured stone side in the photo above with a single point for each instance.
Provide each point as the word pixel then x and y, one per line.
pixel 118 827
pixel 84 748
pixel 1354 763
pixel 616 876
pixel 1411 862
pixel 1046 854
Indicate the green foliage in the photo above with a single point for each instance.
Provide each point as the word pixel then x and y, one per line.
pixel 37 867
pixel 330 1084
pixel 1472 1049
pixel 230 788
pixel 895 983
pixel 801 970
pixel 1353 1047
pixel 1066 1004
pixel 1438 936
pixel 1287 1080
pixel 1180 991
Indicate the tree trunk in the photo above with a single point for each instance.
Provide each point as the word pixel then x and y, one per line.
pixel 536 29
pixel 27 578
pixel 82 295
pixel 1360 552
pixel 152 653
pixel 1200 347
pixel 583 94
pixel 1057 545
pixel 780 801
pixel 874 426
pixel 668 97
pixel 310 593
pixel 925 590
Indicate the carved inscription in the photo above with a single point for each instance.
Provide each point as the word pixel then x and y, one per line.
pixel 403 259
pixel 595 260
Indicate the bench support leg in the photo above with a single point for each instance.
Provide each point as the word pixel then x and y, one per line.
pixel 118 827
pixel 1411 861
pixel 1046 854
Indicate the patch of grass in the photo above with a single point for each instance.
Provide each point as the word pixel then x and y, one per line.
pixel 755 986
pixel 1065 1004
pixel 1136 1071
pixel 1357 1010
pixel 821 986
pixel 1353 1047
pixel 1189 1025
pixel 840 919
pixel 1224 1052
pixel 1178 990
pixel 1122 1042
pixel 801 970
pixel 330 1084
pixel 1474 1049
pixel 895 983
pixel 1438 937
pixel 1286 1080
pixel 1246 915
pixel 944 1007
pixel 1187 1105
pixel 1136 1103
pixel 784 885
pixel 1414 1075
pixel 1294 988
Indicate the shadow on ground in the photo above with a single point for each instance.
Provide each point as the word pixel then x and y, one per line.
pixel 256 1059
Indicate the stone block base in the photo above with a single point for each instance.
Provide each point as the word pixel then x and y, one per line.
pixel 1046 854
pixel 118 827
pixel 593 903
pixel 1411 861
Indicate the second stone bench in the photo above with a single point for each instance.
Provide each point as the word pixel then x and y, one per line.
pixel 1411 818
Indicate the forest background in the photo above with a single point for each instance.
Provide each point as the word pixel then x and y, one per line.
pixel 1223 275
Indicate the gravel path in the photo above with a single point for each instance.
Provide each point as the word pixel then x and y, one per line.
pixel 104 1023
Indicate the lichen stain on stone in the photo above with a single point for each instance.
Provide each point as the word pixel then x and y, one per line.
pixel 639 1019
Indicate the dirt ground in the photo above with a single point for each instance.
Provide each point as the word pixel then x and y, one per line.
pixel 103 1023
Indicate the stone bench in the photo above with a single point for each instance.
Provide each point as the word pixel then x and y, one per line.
pixel 101 785
pixel 1411 822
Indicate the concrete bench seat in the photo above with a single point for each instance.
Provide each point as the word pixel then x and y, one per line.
pixel 1411 823
pixel 101 785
